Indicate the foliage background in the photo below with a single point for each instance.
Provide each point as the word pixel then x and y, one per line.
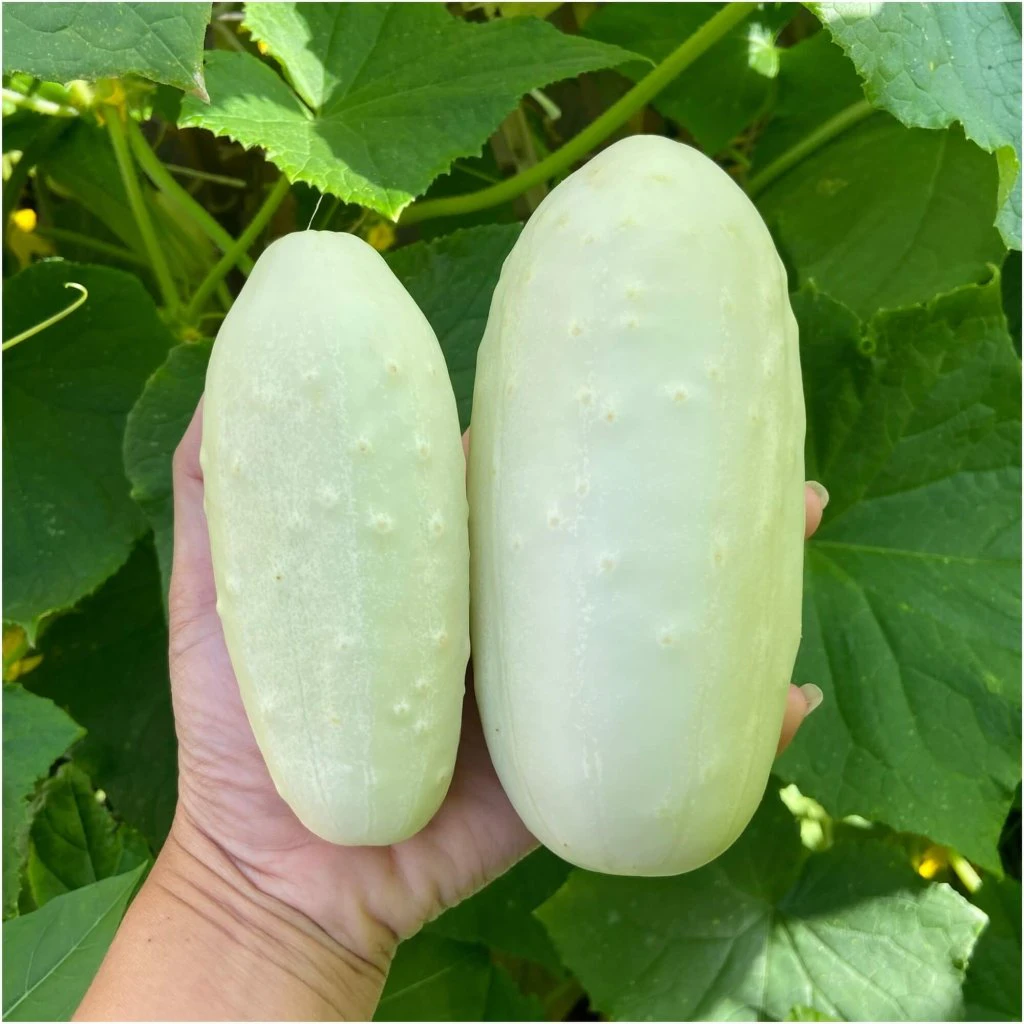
pixel 152 150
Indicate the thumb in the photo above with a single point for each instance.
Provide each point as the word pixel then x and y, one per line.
pixel 193 598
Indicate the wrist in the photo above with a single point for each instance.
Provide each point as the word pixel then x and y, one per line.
pixel 335 905
pixel 266 943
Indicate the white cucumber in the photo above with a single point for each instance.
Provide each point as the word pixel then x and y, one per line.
pixel 335 496
pixel 637 512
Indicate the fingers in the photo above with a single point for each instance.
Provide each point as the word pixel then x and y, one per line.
pixel 815 500
pixel 801 701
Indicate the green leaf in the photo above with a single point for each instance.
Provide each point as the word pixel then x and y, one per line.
pixel 36 733
pixel 155 426
pixel 385 96
pixel 993 985
pixel 60 42
pixel 505 1001
pixel 815 82
pixel 1012 303
pixel 75 841
pixel 933 64
pixel 723 91
pixel 69 519
pixel 106 662
pixel 501 916
pixel 51 955
pixel 853 933
pixel 452 279
pixel 25 128
pixel 912 583
pixel 885 216
pixel 434 978
pixel 881 216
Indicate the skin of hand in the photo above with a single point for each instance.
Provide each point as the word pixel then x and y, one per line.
pixel 297 926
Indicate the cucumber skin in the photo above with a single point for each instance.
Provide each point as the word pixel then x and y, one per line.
pixel 335 497
pixel 637 512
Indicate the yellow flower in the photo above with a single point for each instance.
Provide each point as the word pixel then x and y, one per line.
pixel 22 239
pixel 381 236
pixel 932 862
pixel 24 220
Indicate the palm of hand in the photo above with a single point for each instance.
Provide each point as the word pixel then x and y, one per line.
pixel 226 791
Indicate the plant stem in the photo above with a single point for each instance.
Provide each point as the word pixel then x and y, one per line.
pixel 50 320
pixel 965 872
pixel 223 297
pixel 137 202
pixel 552 111
pixel 238 249
pixel 186 204
pixel 460 165
pixel 847 118
pixel 37 104
pixel 88 242
pixel 595 133
pixel 227 35
pixel 216 179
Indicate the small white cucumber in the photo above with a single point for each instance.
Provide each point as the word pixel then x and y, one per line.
pixel 637 512
pixel 336 502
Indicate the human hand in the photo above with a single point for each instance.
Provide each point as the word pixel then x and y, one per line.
pixel 364 898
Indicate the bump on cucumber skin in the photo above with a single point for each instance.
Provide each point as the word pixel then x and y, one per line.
pixel 335 497
pixel 637 512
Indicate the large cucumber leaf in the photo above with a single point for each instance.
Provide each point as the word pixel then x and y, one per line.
pixel 59 42
pixel 912 583
pixel 70 522
pixel 933 64
pixel 382 97
pixel 852 933
pixel 36 733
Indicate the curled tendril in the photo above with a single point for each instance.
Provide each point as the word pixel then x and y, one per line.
pixel 50 320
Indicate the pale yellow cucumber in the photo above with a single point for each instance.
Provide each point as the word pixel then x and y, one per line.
pixel 335 496
pixel 637 512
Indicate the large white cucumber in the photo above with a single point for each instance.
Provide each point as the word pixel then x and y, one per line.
pixel 637 512
pixel 335 496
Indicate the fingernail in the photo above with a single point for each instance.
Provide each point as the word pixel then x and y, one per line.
pixel 812 694
pixel 819 490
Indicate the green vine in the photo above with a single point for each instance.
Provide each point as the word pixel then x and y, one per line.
pixel 238 249
pixel 576 148
pixel 137 203
pixel 117 252
pixel 161 177
pixel 37 104
pixel 50 320
pixel 845 119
